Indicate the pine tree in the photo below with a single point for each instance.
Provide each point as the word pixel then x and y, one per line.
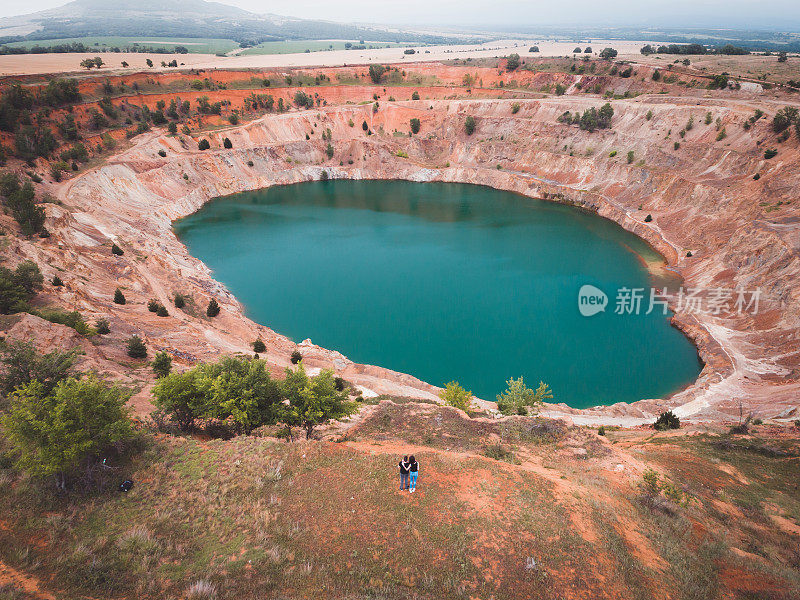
pixel 213 308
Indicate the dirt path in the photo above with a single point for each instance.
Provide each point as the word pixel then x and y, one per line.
pixel 19 581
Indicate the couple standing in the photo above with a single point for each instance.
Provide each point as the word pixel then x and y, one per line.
pixel 409 468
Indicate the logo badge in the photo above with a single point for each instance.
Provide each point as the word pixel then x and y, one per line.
pixel 591 300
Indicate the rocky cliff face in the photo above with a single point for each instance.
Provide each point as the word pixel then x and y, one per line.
pixel 701 196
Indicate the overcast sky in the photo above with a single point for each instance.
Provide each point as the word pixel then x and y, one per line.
pixel 775 14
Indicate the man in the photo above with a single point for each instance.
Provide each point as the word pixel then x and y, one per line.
pixel 405 466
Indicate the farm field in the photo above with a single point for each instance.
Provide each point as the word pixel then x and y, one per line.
pixel 295 46
pixel 105 43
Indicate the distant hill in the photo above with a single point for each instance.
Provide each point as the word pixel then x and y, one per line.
pixel 184 18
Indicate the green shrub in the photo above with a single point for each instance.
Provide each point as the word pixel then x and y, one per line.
pixel 415 96
pixel 648 218
pixel 17 287
pixel 296 357
pixel 259 346
pixel 415 125
pixel 667 420
pixel 162 364
pixel 515 108
pixel 23 363
pixel 162 153
pixel 119 297
pixel 153 305
pixel 770 153
pixel 520 399
pixel 601 430
pixel 162 311
pixel 203 144
pixel 630 156
pixel 179 300
pixel 56 281
pixel 136 347
pixel 68 318
pixel 498 452
pixel 226 143
pixel 455 395
pixel 469 125
pixel 212 310
pixel 117 250
pixel 101 326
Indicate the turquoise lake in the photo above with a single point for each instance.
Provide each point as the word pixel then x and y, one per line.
pixel 447 282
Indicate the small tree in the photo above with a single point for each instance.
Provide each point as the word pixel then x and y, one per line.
pixel 259 346
pixel 180 300
pixel 667 420
pixel 608 53
pixel 455 395
pixel 23 363
pixel 149 62
pixel 101 326
pixel 55 433
pixel 415 125
pixel 296 357
pixel 312 400
pixel 119 297
pixel 162 364
pixel 153 305
pixel 329 150
pixel 136 347
pixel 162 311
pixel 376 73
pixel 213 308
pixel 226 143
pixel 520 399
pixel 203 144
pixel 117 250
pixel 415 96
pixel 469 125
pixel 512 62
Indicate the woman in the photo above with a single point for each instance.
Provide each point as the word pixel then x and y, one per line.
pixel 403 464
pixel 413 468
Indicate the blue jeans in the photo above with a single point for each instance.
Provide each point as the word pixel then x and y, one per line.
pixel 414 479
pixel 403 481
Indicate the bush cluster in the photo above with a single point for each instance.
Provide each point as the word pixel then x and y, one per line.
pixel 21 200
pixel 17 287
pixel 238 395
pixel 667 420
pixel 591 119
